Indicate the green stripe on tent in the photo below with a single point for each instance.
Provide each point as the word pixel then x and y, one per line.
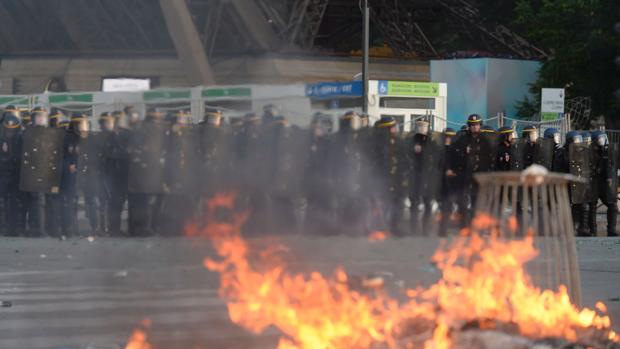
pixel 158 95
pixel 227 92
pixel 68 98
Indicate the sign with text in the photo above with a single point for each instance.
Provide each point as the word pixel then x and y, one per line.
pixel 552 103
pixel 408 88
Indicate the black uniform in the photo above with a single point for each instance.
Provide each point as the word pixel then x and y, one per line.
pixel 424 156
pixel 11 198
pixel 389 165
pixel 182 194
pixel 317 184
pixel 147 154
pixel 604 185
pixel 115 172
pixel 502 159
pixel 562 163
pixel 472 153
pixel 347 164
pixel 449 190
pixel 40 174
pixel 69 188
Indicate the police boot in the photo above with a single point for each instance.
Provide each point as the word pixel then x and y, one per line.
pixel 581 219
pixel 592 218
pixel 612 216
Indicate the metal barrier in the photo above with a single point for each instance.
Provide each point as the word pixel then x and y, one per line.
pixel 562 125
pixel 613 136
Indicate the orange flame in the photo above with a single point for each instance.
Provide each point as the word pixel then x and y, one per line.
pixel 138 340
pixel 378 236
pixel 482 278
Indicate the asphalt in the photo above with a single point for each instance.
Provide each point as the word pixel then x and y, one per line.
pixel 91 293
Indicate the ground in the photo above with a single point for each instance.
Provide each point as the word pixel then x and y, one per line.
pixel 90 293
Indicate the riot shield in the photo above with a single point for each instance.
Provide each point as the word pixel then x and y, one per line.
pixel 579 164
pixel 42 156
pixel 182 159
pixel 517 148
pixel 543 155
pixel 146 150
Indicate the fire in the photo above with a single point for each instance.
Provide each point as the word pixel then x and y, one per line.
pixel 138 339
pixel 378 236
pixel 482 279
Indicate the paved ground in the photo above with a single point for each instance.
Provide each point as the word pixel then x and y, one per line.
pixel 90 294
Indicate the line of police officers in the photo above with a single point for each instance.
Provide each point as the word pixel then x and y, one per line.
pixel 290 179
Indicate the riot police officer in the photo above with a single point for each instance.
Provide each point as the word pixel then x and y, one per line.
pixel 11 210
pixel 10 110
pixel 389 166
pixel 216 163
pixel 529 136
pixel 317 185
pixel 574 158
pixel 604 181
pixel 587 138
pixel 505 139
pixel 78 178
pixel 347 167
pixel 424 175
pixel 284 168
pixel 103 140
pixel 554 138
pixel 56 116
pixel 181 174
pixel 472 153
pixel 447 196
pixel 115 168
pixel 147 152
pixel 40 171
pixel 270 111
pixel 26 119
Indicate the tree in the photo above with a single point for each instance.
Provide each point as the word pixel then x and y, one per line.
pixel 583 44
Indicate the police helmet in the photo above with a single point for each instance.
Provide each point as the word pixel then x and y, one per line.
pixel 586 136
pixel 527 130
pixel 550 132
pixel 26 117
pixel 270 111
pixel 385 122
pixel 235 121
pixel 487 129
pixel 251 118
pixel 474 119
pixel 64 124
pixel 599 138
pixel 153 114
pixel 279 119
pixel 212 116
pixel 573 137
pixel 505 132
pixel 11 121
pixel 450 132
pixel 10 110
pixel 39 116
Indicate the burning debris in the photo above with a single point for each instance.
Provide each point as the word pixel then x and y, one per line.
pixel 484 299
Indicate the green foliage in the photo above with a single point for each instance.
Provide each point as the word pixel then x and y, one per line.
pixel 580 36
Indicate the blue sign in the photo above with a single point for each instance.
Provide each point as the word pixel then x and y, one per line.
pixel 328 90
